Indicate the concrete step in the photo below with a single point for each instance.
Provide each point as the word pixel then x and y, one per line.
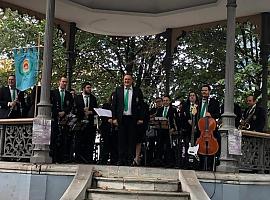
pixel 132 183
pixel 101 194
pixel 138 172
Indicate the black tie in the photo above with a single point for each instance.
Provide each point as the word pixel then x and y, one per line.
pixel 86 101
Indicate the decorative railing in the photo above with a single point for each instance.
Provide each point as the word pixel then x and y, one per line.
pixel 255 152
pixel 16 139
pixel 16 144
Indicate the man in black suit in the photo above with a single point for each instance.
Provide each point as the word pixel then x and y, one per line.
pixel 164 138
pixel 254 115
pixel 85 104
pixel 62 102
pixel 12 100
pixel 127 113
pixel 209 107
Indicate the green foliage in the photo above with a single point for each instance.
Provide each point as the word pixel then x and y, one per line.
pixel 199 58
pixel 16 31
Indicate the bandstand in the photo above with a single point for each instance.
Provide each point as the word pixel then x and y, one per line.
pixel 41 180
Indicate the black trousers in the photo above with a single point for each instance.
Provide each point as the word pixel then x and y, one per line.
pixel 85 144
pixel 108 147
pixel 164 148
pixel 61 140
pixel 126 140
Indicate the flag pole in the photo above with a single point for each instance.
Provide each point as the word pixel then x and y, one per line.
pixel 37 85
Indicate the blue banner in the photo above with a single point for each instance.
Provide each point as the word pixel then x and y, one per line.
pixel 26 67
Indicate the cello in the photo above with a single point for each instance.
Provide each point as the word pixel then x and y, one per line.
pixel 208 144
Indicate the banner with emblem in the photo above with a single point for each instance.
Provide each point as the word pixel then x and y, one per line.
pixel 26 67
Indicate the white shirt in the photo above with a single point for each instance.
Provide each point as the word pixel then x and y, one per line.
pixel 130 93
pixel 85 100
pixel 11 93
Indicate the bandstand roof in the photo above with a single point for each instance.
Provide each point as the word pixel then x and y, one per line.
pixel 140 17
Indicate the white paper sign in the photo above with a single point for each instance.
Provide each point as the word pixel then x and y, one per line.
pixel 41 131
pixel 235 142
pixel 103 112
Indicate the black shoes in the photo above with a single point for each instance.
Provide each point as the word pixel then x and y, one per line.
pixel 136 163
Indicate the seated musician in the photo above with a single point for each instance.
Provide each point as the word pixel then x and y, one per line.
pixel 209 107
pixel 164 143
pixel 62 103
pixel 85 104
pixel 254 117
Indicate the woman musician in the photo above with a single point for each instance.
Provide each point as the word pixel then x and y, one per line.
pixel 189 119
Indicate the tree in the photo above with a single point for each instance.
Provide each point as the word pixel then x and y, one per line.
pixel 199 58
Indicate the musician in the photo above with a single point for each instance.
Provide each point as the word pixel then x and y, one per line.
pixel 85 104
pixel 140 136
pixel 254 115
pixel 158 104
pixel 12 100
pixel 33 100
pixel 62 103
pixel 164 143
pixel 73 92
pixel 209 107
pixel 188 118
pixel 127 113
pixel 151 140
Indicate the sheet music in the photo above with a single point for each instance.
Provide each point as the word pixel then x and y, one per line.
pixel 235 142
pixel 161 118
pixel 103 112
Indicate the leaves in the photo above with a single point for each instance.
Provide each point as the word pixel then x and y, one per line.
pixel 199 58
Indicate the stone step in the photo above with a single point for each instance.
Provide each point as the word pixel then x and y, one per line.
pixel 138 172
pixel 101 194
pixel 132 183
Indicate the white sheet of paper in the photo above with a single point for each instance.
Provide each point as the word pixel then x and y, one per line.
pixel 103 112
pixel 41 131
pixel 161 118
pixel 235 142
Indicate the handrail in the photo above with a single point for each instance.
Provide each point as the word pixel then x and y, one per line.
pixel 255 134
pixel 80 183
pixel 16 121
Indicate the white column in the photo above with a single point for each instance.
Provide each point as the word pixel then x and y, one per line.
pixel 41 151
